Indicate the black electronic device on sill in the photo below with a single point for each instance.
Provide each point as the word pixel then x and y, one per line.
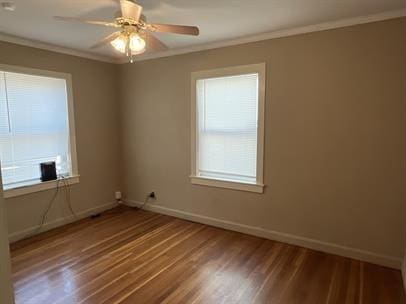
pixel 48 171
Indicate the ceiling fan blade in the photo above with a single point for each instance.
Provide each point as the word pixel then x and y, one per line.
pixel 172 28
pixel 106 40
pixel 130 10
pixel 95 22
pixel 154 44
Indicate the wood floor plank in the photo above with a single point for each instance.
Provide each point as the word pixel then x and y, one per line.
pixel 138 255
pixel 51 263
pixel 230 248
pixel 89 275
pixel 134 256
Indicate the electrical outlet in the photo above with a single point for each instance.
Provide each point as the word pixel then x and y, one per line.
pixel 152 195
pixel 118 195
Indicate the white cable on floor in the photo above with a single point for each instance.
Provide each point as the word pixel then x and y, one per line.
pixel 66 185
pixel 67 195
pixel 144 203
pixel 50 204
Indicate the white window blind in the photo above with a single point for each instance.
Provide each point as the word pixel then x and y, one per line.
pixel 227 124
pixel 33 126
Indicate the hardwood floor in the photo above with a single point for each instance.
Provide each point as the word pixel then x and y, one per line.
pixel 132 256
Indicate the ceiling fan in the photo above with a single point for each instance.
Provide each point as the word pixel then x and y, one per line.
pixel 135 34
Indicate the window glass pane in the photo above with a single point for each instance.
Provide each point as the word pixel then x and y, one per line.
pixel 227 127
pixel 33 125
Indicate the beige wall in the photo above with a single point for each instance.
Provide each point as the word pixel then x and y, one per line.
pixel 95 92
pixel 335 136
pixel 335 121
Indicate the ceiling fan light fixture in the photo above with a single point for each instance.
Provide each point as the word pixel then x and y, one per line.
pixel 120 43
pixel 137 43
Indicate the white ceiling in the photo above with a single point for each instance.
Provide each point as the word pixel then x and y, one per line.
pixel 218 20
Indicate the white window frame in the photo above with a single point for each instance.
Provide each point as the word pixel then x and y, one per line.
pixel 73 178
pixel 258 186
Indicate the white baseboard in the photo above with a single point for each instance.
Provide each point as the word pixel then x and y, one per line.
pixel 353 253
pixel 19 235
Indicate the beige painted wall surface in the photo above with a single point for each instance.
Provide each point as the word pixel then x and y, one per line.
pixel 335 136
pixel 95 93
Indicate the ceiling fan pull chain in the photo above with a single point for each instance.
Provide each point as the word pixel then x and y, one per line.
pixel 131 56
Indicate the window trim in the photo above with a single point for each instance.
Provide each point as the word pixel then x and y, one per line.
pixel 73 177
pixel 37 186
pixel 260 69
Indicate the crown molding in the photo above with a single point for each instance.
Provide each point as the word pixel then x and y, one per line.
pixel 55 48
pixel 278 34
pixel 214 45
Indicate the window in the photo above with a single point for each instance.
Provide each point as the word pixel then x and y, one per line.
pixel 36 125
pixel 228 127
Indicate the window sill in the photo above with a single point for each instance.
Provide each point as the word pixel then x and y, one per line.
pixel 197 180
pixel 37 186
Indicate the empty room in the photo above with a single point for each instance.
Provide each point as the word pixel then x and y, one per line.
pixel 184 151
